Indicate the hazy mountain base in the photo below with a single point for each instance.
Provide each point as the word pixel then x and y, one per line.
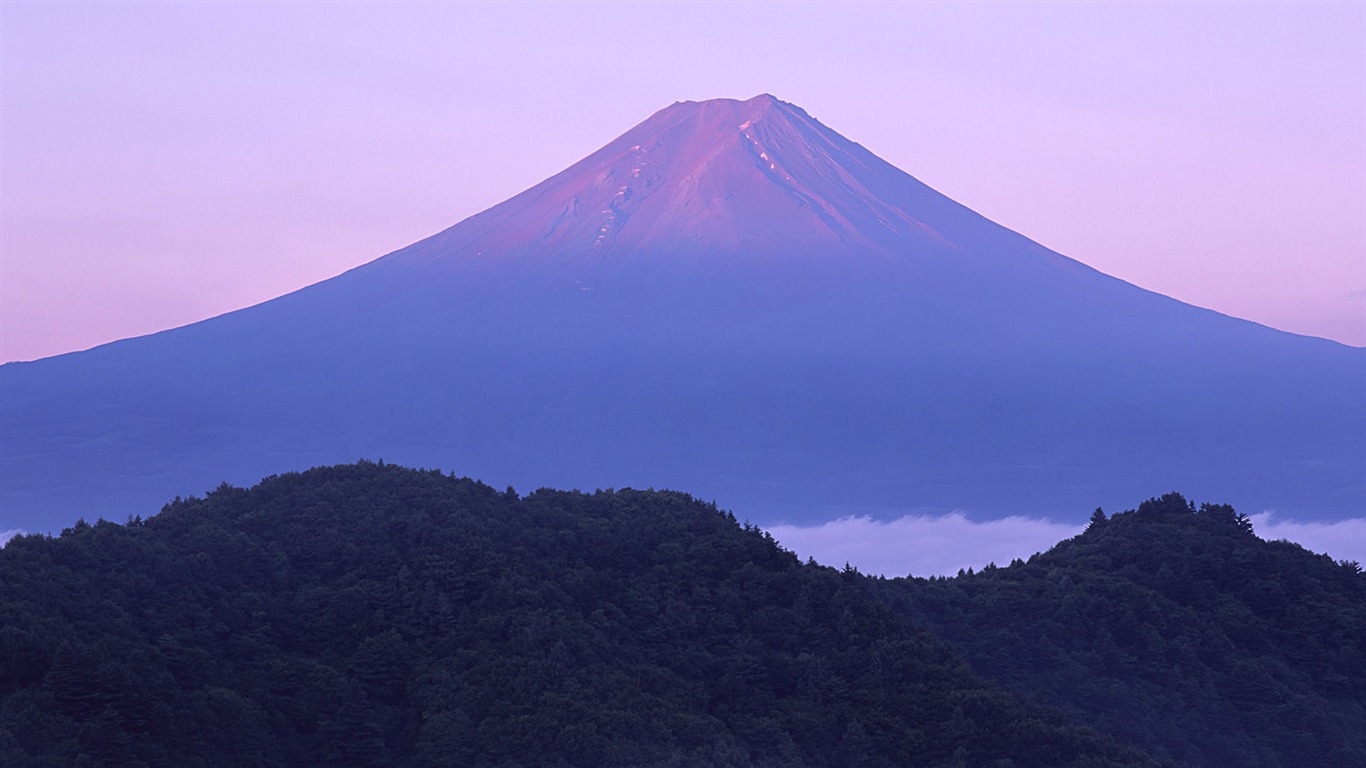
pixel 370 615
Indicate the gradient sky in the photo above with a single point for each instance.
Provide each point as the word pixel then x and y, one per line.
pixel 165 162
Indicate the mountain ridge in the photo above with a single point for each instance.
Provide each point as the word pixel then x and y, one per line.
pixel 357 613
pixel 370 614
pixel 1175 628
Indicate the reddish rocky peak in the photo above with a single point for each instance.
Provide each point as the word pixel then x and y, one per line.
pixel 711 185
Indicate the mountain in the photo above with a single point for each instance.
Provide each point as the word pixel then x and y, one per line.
pixel 730 298
pixel 371 615
pixel 1175 629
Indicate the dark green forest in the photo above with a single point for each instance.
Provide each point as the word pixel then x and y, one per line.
pixel 1175 628
pixel 374 615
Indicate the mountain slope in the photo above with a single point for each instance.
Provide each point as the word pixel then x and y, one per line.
pixel 1177 630
pixel 701 185
pixel 371 615
pixel 732 298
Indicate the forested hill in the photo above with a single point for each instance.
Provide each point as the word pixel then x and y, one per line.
pixel 371 615
pixel 1177 629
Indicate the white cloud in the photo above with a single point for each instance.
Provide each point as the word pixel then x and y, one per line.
pixel 928 545
pixel 1340 540
pixel 5 536
pixel 922 545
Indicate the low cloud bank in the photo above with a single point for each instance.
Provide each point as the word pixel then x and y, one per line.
pixel 922 545
pixel 1340 540
pixel 5 536
pixel 927 545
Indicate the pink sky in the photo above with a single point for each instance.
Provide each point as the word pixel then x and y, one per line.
pixel 162 163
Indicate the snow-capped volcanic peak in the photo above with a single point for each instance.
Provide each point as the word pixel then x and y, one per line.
pixel 729 298
pixel 708 181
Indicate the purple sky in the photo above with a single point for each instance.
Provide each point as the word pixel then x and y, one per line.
pixel 165 162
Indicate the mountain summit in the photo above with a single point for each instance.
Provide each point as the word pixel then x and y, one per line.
pixel 706 182
pixel 729 298
pixel 722 189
